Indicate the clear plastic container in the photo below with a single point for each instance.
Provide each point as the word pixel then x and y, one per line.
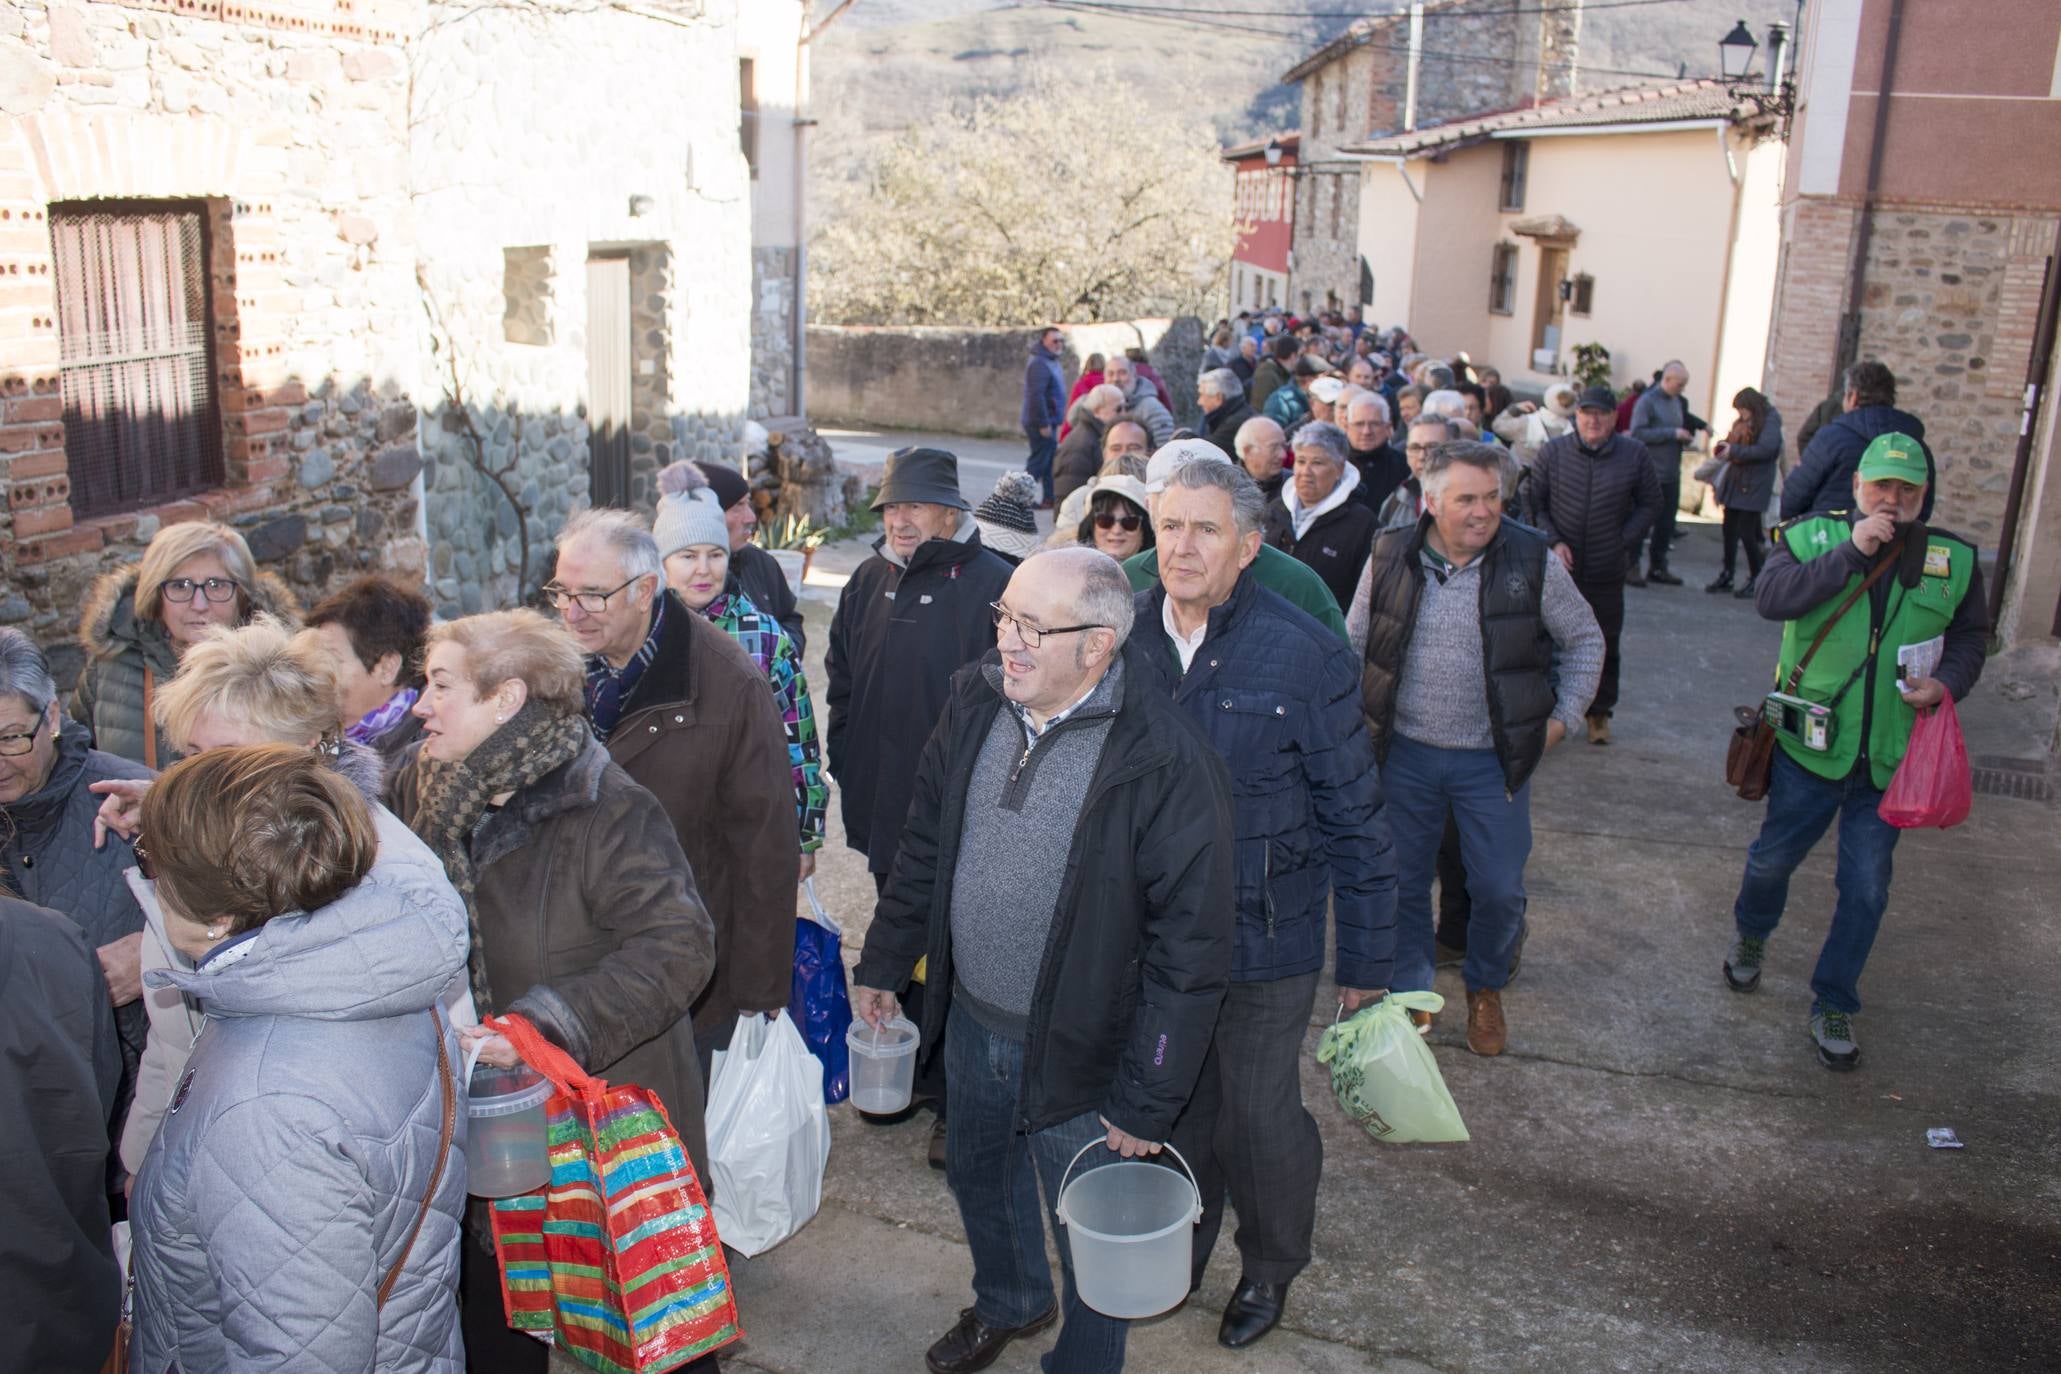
pixel 1130 1226
pixel 505 1147
pixel 883 1065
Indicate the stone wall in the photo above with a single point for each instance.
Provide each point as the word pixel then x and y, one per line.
pixel 970 381
pixel 773 298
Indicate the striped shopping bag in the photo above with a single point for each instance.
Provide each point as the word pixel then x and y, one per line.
pixel 616 1257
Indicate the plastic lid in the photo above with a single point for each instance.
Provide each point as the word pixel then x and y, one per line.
pixel 504 1092
pixel 897 1036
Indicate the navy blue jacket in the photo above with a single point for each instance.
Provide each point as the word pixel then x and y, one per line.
pixel 1044 391
pixel 1279 697
pixel 1823 479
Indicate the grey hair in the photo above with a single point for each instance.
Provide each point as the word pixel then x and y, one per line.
pixel 1374 398
pixel 1248 505
pixel 1100 394
pixel 24 673
pixel 625 532
pixel 1325 438
pixel 1222 382
pixel 1448 403
pixel 1105 597
pixel 1440 462
pixel 1249 432
pixel 1446 423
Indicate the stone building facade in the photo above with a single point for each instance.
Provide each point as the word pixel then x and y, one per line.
pixel 1476 56
pixel 390 216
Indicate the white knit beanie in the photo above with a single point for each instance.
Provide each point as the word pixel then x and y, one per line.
pixel 688 512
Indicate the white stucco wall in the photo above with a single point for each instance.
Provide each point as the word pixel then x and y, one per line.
pixel 1750 283
pixel 1388 238
pixel 768 32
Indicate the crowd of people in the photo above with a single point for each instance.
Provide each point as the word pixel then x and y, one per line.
pixel 1124 787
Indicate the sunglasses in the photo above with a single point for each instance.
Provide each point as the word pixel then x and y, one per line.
pixel 1109 521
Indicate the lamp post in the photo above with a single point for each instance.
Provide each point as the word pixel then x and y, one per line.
pixel 1777 94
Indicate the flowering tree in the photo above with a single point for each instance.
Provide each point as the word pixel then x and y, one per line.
pixel 1069 200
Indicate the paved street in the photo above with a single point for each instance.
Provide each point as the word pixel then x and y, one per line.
pixel 1660 1176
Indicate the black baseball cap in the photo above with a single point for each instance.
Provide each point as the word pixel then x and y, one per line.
pixel 1597 398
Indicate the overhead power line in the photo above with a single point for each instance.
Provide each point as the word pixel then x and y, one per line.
pixel 1124 6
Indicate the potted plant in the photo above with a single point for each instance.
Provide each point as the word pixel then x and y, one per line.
pixel 793 542
pixel 1592 364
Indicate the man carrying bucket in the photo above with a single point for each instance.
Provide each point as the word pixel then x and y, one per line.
pixel 1066 867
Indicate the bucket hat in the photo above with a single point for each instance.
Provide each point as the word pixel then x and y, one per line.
pixel 929 475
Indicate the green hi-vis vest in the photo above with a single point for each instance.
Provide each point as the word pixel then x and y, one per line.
pixel 1872 706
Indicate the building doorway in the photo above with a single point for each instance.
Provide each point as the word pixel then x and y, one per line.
pixel 1548 309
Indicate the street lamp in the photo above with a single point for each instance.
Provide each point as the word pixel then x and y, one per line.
pixel 1273 152
pixel 1776 94
pixel 1735 53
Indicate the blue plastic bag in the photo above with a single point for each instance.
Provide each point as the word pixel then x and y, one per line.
pixel 819 1004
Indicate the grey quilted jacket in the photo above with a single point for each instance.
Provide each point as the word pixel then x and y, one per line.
pixel 108 701
pixel 300 1142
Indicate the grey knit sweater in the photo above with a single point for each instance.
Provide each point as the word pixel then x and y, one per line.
pixel 1021 808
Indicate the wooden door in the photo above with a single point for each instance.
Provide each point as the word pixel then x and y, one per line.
pixel 1548 309
pixel 608 380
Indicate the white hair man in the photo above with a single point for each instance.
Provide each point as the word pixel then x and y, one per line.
pixel 1224 408
pixel 1141 398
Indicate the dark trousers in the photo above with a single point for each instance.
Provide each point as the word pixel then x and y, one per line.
pixel 1662 536
pixel 1247 1135
pixel 1454 906
pixel 1743 526
pixel 1043 448
pixel 1606 599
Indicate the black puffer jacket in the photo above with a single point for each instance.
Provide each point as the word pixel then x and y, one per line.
pixel 1279 697
pixel 1139 953
pixel 1336 545
pixel 1224 422
pixel 1823 479
pixel 48 847
pixel 1600 504
pixel 897 638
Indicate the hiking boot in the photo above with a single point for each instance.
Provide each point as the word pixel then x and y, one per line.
pixel 1661 577
pixel 1722 584
pixel 1747 589
pixel 1599 729
pixel 1832 1032
pixel 1486 1031
pixel 1422 1021
pixel 1742 965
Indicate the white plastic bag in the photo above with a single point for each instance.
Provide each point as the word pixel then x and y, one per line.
pixel 768 1134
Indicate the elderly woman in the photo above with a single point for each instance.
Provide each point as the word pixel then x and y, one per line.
pixel 584 915
pixel 1126 448
pixel 1119 519
pixel 1080 452
pixel 687 527
pixel 140 620
pixel 1527 427
pixel 756 571
pixel 373 629
pixel 300 1209
pixel 47 772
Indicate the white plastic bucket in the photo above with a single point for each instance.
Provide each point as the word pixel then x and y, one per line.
pixel 1130 1225
pixel 883 1064
pixel 505 1148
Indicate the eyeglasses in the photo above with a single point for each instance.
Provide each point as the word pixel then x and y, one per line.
pixel 1109 520
pixel 1419 448
pixel 181 589
pixel 593 603
pixel 15 745
pixel 1031 635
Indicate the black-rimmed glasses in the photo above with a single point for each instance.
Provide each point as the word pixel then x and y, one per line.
pixel 16 744
pixel 1031 635
pixel 216 589
pixel 593 603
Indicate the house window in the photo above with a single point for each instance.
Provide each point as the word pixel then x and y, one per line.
pixel 1516 167
pixel 748 112
pixel 1584 295
pixel 1503 280
pixel 135 362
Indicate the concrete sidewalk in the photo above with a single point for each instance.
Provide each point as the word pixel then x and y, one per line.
pixel 1660 1177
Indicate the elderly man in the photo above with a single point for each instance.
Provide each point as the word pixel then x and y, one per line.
pixel 1823 480
pixel 1902 627
pixel 1595 494
pixel 1080 452
pixel 1480 656
pixel 1316 518
pixel 1125 447
pixel 1066 869
pixel 1404 506
pixel 1247 360
pixel 1662 422
pixel 1224 407
pixel 1263 451
pixel 1279 697
pixel 1141 398
pixel 1381 465
pixel 1277 571
pixel 686 713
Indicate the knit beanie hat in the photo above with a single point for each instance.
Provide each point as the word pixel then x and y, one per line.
pixel 730 484
pixel 688 511
pixel 1007 519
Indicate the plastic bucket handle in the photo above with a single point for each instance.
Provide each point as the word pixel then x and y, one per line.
pixel 1194 1215
pixel 472 1062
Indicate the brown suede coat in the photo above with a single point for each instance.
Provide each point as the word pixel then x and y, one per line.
pixel 702 732
pixel 592 926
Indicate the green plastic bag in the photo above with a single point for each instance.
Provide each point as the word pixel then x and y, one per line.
pixel 1384 1074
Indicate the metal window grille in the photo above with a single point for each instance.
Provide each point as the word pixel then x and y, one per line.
pixel 1503 280
pixel 134 354
pixel 1516 168
pixel 1584 300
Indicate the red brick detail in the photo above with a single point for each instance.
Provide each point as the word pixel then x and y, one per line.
pixel 179 512
pixel 49 491
pixel 35 408
pixel 254 422
pixel 28 467
pixel 20 439
pixel 264 470
pixel 43 520
pixel 84 539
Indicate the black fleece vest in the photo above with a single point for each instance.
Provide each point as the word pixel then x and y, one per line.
pixel 1516 650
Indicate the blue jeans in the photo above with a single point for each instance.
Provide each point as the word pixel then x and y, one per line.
pixel 1043 448
pixel 995 1172
pixel 1801 806
pixel 1422 783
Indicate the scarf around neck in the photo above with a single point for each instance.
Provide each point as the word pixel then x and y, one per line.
pixel 382 717
pixel 455 796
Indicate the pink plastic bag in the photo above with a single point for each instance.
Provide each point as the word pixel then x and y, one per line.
pixel 1932 786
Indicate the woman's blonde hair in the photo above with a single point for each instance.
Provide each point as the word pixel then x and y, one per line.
pixel 521 644
pixel 247 834
pixel 174 544
pixel 263 675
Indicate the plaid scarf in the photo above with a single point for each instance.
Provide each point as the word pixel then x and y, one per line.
pixel 455 797
pixel 608 686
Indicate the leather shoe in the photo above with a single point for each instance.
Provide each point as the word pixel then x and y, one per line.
pixel 937 1143
pixel 1486 1031
pixel 973 1344
pixel 1661 577
pixel 1254 1310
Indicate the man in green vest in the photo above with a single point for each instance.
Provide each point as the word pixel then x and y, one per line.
pixel 1916 635
pixel 1281 573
